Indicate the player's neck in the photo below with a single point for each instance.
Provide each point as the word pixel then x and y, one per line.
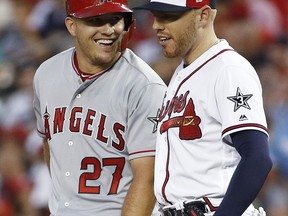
pixel 92 69
pixel 200 49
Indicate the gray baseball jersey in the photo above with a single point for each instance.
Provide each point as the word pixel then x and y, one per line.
pixel 216 95
pixel 94 128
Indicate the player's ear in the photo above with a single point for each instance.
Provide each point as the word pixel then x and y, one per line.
pixel 70 25
pixel 205 15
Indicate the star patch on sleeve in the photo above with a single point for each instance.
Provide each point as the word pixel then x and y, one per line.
pixel 155 121
pixel 240 100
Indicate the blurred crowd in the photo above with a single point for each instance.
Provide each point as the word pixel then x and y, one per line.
pixel 33 30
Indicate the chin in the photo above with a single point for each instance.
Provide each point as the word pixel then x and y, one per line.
pixel 169 54
pixel 107 56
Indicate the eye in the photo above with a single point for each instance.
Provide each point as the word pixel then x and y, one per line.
pixel 102 20
pixel 115 19
pixel 95 21
pixel 168 17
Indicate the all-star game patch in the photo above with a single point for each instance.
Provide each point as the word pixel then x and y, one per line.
pixel 155 121
pixel 240 100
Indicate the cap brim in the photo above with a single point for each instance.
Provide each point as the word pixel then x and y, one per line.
pixel 157 6
pixel 100 10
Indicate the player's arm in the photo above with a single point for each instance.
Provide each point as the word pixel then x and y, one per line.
pixel 140 199
pixel 250 173
pixel 46 152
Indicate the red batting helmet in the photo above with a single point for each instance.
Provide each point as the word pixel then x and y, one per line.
pixel 91 8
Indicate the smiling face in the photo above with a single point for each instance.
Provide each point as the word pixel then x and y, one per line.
pixel 97 40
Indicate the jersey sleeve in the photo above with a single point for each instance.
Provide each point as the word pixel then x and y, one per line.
pixel 37 109
pixel 143 120
pixel 239 99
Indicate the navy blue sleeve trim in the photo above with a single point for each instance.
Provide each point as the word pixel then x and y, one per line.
pixel 250 174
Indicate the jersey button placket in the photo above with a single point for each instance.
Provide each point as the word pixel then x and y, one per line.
pixel 78 96
pixel 66 204
pixel 70 144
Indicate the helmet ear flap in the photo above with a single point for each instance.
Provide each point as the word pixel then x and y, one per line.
pixel 127 35
pixel 128 19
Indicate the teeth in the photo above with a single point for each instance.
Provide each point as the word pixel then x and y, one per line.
pixel 163 39
pixel 105 42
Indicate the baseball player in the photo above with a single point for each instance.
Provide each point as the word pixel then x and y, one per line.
pixel 96 106
pixel 212 148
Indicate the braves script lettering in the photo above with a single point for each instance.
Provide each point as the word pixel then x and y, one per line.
pixel 188 123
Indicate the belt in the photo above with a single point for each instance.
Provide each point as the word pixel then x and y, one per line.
pixel 182 212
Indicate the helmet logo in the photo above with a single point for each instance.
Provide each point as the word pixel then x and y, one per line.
pixel 103 1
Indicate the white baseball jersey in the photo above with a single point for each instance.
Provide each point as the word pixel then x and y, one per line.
pixel 94 128
pixel 218 94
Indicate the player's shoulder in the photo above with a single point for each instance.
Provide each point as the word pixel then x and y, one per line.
pixel 228 56
pixel 229 64
pixel 58 59
pixel 53 66
pixel 138 67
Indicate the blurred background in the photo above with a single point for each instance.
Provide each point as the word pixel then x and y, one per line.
pixel 33 30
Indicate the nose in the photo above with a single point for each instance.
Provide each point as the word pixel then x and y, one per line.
pixel 108 29
pixel 157 25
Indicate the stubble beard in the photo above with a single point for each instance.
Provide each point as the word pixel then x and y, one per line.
pixel 100 58
pixel 182 44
